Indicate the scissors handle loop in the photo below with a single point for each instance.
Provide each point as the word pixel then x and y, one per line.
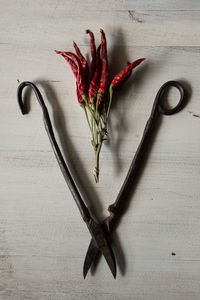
pixel 160 99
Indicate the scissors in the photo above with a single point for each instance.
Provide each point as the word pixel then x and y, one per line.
pixel 98 235
pixel 116 208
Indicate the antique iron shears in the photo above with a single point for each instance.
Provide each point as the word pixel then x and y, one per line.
pixel 117 207
pixel 98 235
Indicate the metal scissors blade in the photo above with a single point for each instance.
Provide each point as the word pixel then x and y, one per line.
pixel 115 208
pixel 90 257
pixel 100 244
pixel 93 251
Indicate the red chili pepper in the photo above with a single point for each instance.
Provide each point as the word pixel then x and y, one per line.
pixel 84 64
pixel 78 72
pixel 126 77
pixel 122 75
pixel 93 53
pixel 94 84
pixel 80 99
pixel 80 76
pixel 104 61
pixel 81 57
pixel 70 62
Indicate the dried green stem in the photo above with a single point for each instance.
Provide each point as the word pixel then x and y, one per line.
pixel 97 152
pixel 86 114
pixel 110 101
pixel 97 125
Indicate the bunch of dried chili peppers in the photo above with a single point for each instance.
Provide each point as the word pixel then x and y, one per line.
pixel 92 88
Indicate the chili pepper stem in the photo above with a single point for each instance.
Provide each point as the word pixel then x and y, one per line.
pixel 90 125
pixel 110 101
pixel 97 152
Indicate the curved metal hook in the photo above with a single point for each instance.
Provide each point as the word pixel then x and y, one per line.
pixel 37 93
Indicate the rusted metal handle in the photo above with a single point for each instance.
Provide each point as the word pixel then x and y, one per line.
pixel 48 126
pixel 158 107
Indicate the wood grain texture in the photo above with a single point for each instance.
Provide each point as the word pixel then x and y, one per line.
pixel 42 237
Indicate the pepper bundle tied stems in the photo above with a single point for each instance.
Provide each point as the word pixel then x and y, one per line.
pixel 93 90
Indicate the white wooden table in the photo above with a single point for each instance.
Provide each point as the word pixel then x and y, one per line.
pixel 42 238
